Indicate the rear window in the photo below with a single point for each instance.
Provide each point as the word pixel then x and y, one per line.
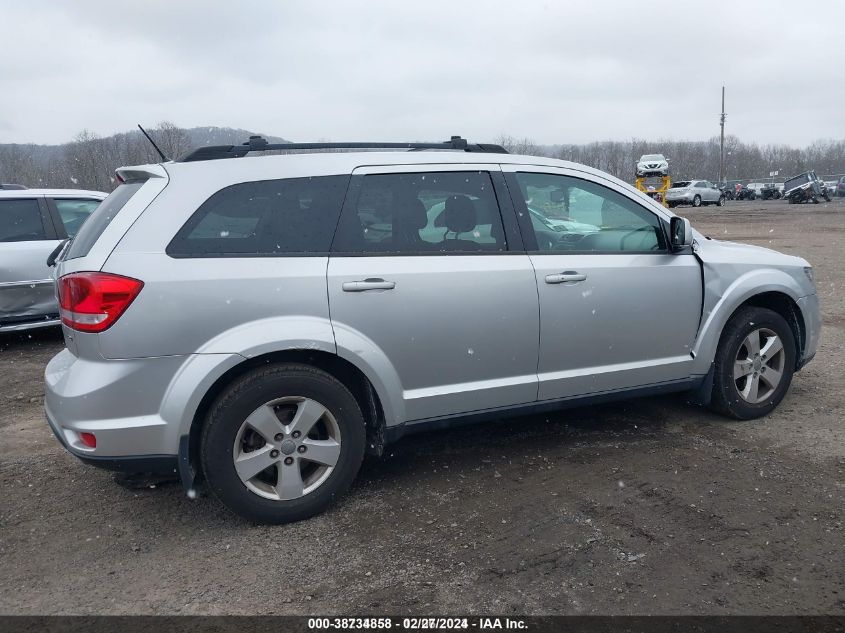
pixel 20 221
pixel 680 185
pixel 91 230
pixel 74 212
pixel 264 218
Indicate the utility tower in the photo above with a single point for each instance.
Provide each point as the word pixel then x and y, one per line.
pixel 722 140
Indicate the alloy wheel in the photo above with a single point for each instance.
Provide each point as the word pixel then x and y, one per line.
pixel 287 448
pixel 759 365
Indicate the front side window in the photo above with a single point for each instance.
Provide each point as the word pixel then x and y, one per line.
pixel 292 216
pixel 20 221
pixel 420 213
pixel 74 212
pixel 571 214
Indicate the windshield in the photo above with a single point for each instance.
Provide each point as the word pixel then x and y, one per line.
pixel 652 157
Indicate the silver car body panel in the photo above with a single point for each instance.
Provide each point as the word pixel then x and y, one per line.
pixel 477 331
pixel 733 273
pixel 27 290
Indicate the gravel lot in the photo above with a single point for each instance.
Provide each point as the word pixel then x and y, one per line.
pixel 643 507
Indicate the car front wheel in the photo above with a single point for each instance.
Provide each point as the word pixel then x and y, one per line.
pixel 721 201
pixel 754 364
pixel 282 443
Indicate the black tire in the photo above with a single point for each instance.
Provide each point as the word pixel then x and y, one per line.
pixel 826 198
pixel 721 201
pixel 696 202
pixel 243 397
pixel 726 398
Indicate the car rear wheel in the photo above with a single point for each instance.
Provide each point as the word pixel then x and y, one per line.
pixel 696 202
pixel 282 443
pixel 754 364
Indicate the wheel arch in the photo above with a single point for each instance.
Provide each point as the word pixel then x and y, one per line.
pixel 343 370
pixel 766 287
pixel 776 300
pixel 787 307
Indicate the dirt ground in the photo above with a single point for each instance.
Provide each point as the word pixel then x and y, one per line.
pixel 644 507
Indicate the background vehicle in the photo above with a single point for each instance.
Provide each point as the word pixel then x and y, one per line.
pixel 770 192
pixel 33 222
pixel 695 193
pixel 743 192
pixel 805 187
pixel 840 187
pixel 727 191
pixel 203 343
pixel 652 165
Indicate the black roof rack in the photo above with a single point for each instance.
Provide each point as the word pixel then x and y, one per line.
pixel 260 144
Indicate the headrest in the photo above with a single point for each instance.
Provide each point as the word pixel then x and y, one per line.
pixel 459 214
pixel 414 216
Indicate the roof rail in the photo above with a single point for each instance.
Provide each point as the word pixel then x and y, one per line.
pixel 260 144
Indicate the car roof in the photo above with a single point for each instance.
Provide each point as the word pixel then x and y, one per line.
pixel 256 167
pixel 64 193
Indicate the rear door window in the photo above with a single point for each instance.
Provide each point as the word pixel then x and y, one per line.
pixel 90 231
pixel 420 213
pixel 74 212
pixel 291 216
pixel 20 221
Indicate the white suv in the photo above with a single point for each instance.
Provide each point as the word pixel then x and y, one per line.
pixel 652 165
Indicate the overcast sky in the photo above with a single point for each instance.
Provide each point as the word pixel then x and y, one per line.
pixel 557 72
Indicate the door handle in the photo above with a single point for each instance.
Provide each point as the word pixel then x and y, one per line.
pixel 564 277
pixel 368 284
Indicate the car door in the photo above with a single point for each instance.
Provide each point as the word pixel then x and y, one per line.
pixel 27 237
pixel 712 194
pixel 617 309
pixel 432 289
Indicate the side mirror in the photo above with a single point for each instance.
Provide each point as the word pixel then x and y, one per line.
pixel 680 233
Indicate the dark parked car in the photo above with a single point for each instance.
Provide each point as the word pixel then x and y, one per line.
pixel 840 187
pixel 770 191
pixel 745 193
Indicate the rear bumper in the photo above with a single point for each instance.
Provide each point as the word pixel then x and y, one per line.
pixel 119 401
pixel 158 464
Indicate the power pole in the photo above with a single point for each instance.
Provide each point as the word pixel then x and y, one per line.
pixel 722 140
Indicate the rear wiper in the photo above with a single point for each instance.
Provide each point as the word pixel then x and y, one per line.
pixel 51 260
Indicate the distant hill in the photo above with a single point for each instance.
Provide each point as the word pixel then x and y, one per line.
pixel 89 161
pixel 201 136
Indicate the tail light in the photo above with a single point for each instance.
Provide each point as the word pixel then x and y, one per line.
pixel 92 302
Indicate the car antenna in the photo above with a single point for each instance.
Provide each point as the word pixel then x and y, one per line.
pixel 153 143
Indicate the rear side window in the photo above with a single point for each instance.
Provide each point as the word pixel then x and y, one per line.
pixel 74 212
pixel 264 218
pixel 20 221
pixel 419 213
pixel 90 231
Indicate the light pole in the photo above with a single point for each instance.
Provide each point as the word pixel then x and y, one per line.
pixel 722 140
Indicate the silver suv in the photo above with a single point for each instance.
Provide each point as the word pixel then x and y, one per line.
pixel 260 322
